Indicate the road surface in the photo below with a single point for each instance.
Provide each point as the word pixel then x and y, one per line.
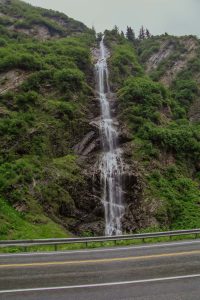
pixel 159 271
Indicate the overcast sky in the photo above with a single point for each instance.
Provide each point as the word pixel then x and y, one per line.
pixel 177 17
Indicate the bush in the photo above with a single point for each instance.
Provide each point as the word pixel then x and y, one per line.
pixel 25 100
pixel 181 139
pixel 147 48
pixel 185 91
pixel 22 61
pixel 124 63
pixel 69 80
pixel 17 174
pixel 3 42
pixel 35 81
pixel 144 91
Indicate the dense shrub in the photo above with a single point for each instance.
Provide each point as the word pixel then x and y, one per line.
pixel 124 63
pixel 185 91
pixel 69 80
pixel 22 61
pixel 142 101
pixel 35 80
pixel 3 42
pixel 176 138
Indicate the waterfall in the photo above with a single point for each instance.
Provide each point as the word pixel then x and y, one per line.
pixel 111 159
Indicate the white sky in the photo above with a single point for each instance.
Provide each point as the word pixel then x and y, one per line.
pixel 177 17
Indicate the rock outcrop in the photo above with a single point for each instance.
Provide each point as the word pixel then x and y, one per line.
pixel 166 49
pixel 89 215
pixel 175 65
pixel 11 80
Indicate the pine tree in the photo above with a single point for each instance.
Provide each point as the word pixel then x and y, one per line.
pixel 93 31
pixel 130 34
pixel 122 34
pixel 142 33
pixel 148 34
pixel 99 36
pixel 116 29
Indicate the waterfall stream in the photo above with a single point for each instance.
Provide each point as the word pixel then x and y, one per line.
pixel 110 165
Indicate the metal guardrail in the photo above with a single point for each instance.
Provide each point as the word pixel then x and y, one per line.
pixel 101 239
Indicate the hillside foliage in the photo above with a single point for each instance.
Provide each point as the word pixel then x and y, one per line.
pixel 46 90
pixel 165 142
pixel 41 120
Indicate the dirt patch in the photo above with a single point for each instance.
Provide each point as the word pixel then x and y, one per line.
pixel 11 80
pixel 40 32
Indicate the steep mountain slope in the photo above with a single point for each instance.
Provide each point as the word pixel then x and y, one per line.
pixel 170 56
pixel 45 96
pixel 165 138
pixel 50 118
pixel 175 62
pixel 43 24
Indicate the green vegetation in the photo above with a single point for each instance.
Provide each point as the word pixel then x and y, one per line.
pixel 14 225
pixel 172 50
pixel 46 114
pixel 181 196
pixel 25 16
pixel 143 103
pixel 123 60
pixel 92 245
pixel 147 48
pixel 41 121
pixel 165 143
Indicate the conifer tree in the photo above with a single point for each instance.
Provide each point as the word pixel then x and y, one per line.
pixel 148 34
pixel 142 33
pixel 122 34
pixel 116 29
pixel 130 34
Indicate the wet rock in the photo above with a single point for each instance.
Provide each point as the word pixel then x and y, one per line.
pixel 89 143
pixel 90 214
pixel 96 123
pixel 95 228
pixel 67 210
pixel 124 136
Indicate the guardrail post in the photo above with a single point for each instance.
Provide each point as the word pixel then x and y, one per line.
pixel 86 244
pixel 196 235
pixel 56 247
pixel 25 249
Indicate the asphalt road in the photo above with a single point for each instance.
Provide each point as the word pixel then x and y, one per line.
pixel 161 271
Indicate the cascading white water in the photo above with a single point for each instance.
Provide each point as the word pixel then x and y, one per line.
pixel 111 161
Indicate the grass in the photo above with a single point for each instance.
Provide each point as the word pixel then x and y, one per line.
pixel 14 225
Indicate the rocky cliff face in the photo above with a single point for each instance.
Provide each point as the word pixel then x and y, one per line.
pixel 91 216
pixel 173 58
pixel 187 50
